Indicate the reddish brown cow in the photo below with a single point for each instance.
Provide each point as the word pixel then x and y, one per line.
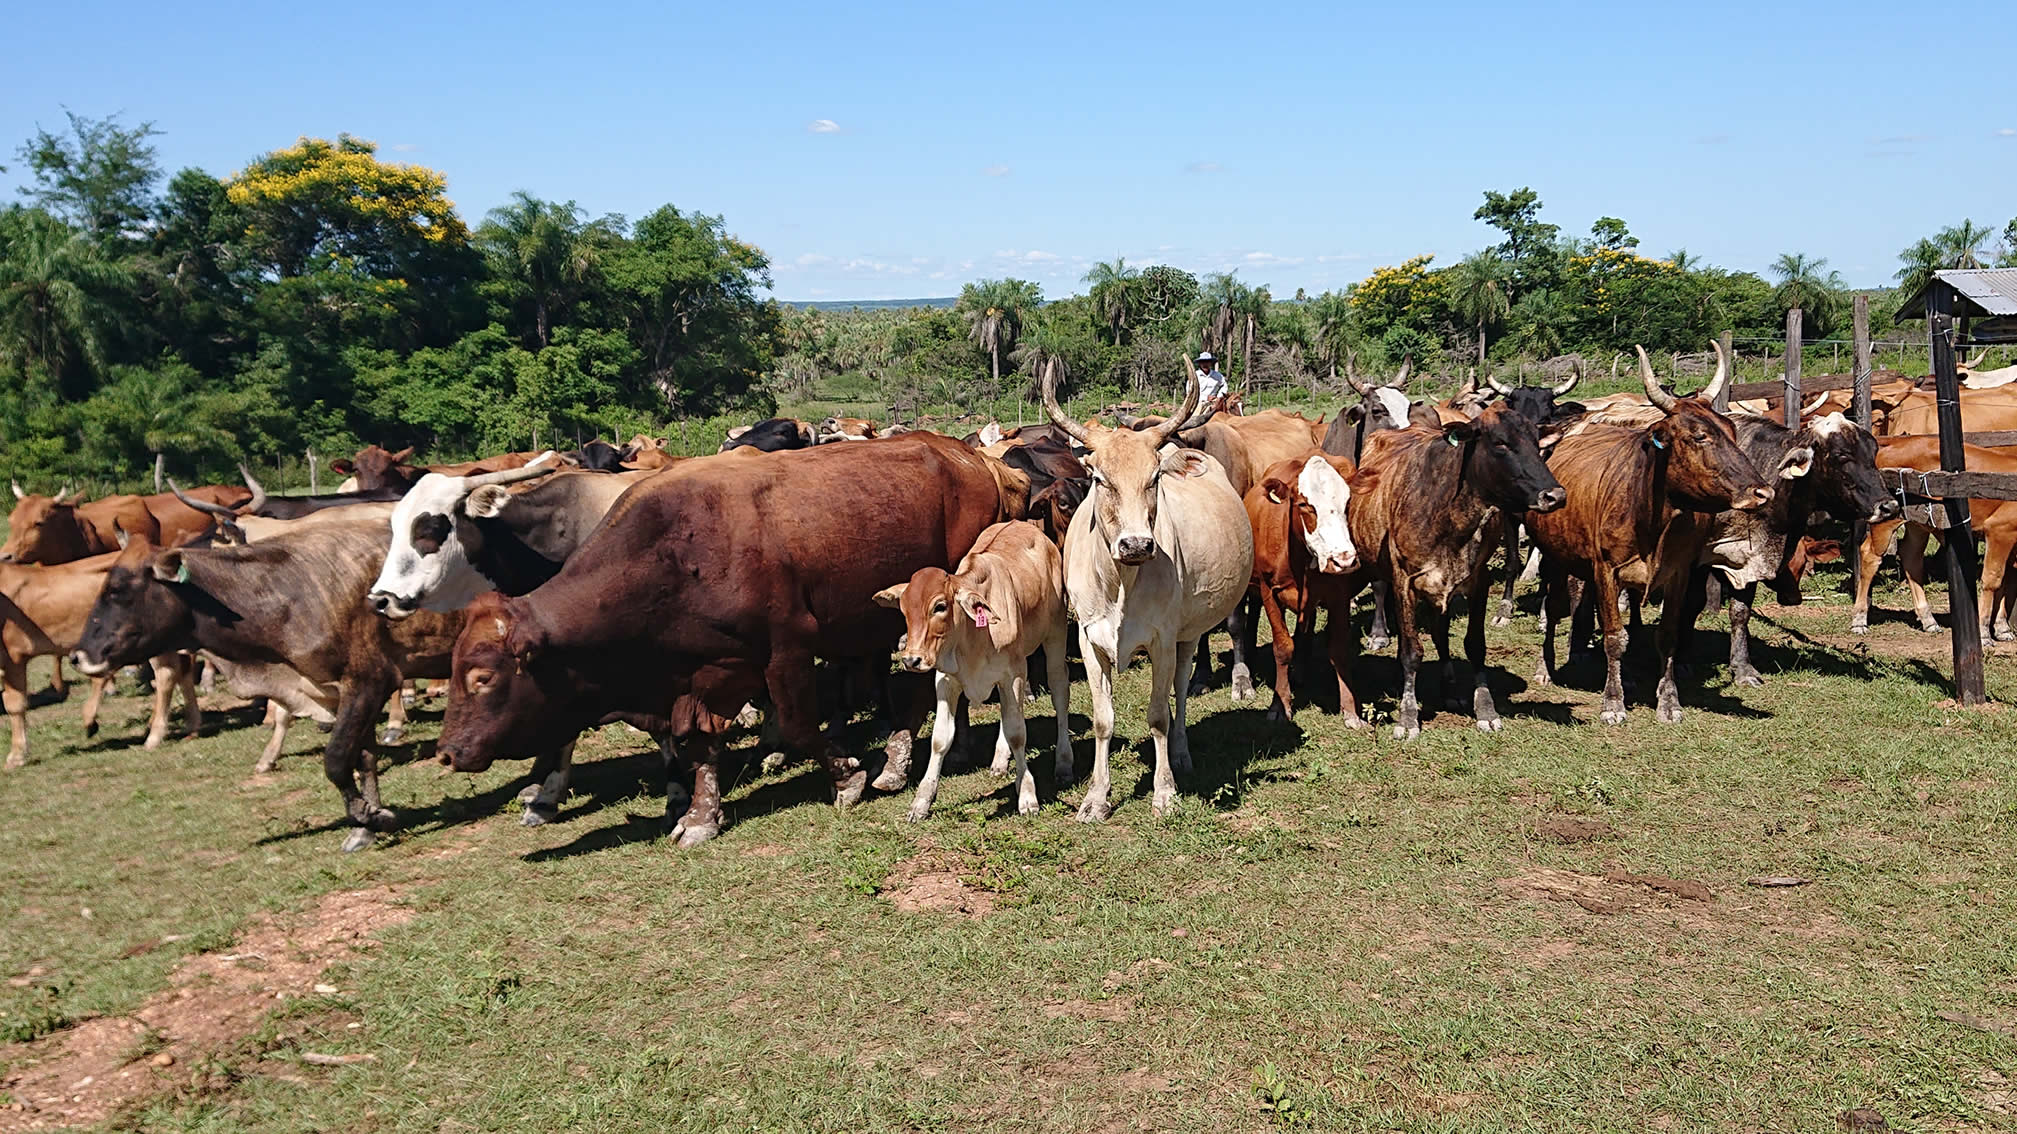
pixel 707 587
pixel 1994 520
pixel 1303 557
pixel 58 529
pixel 376 469
pixel 1641 508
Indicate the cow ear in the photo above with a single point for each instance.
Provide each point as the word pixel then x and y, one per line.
pixel 1550 439
pixel 1569 409
pixel 1458 432
pixel 1276 488
pixel 973 606
pixel 1798 462
pixel 341 466
pixel 119 533
pixel 1354 414
pixel 1186 462
pixel 891 597
pixel 486 503
pixel 401 456
pixel 171 567
pixel 526 643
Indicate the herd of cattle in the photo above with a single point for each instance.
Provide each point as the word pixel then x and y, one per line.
pixel 691 597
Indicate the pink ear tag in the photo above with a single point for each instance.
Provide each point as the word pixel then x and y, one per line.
pixel 980 616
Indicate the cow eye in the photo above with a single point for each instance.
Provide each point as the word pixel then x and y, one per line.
pixel 938 607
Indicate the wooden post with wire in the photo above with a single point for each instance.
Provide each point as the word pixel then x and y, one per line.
pixel 1957 543
pixel 1792 404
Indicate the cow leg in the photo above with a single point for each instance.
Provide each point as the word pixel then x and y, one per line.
pixel 1604 593
pixel 1912 557
pixel 1408 648
pixel 1742 672
pixel 192 708
pixel 1201 673
pixel 678 796
pixel 395 717
pixel 1344 648
pixel 909 699
pixel 1505 615
pixel 1582 618
pixel 1284 707
pixel 14 692
pixel 1378 638
pixel 1482 707
pixel 789 677
pixel 1438 626
pixel 1100 685
pixel 352 769
pixel 1180 736
pixel 1058 674
pixel 277 717
pixel 165 677
pixel 1996 557
pixel 208 683
pixel 1240 626
pixel 947 690
pixel 1015 732
pixel 1668 640
pixel 57 685
pixel 1162 664
pixel 703 818
pixel 550 772
pixel 1554 607
pixel 1870 556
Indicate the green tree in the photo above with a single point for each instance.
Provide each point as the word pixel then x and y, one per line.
pixel 1334 327
pixel 995 311
pixel 1961 244
pixel 1479 294
pixel 1916 266
pixel 1114 294
pixel 165 409
pixel 689 292
pixel 1167 295
pixel 1611 233
pixel 1683 261
pixel 1540 320
pixel 1529 242
pixel 62 300
pixel 1805 282
pixel 545 251
pixel 100 177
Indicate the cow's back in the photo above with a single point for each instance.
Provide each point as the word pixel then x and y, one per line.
pixel 1017 569
pixel 1203 562
pixel 1608 478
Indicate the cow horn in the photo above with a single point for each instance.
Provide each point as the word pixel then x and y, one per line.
pixel 200 505
pixel 1569 383
pixel 59 499
pixel 1401 379
pixel 1977 360
pixel 258 500
pixel 537 466
pixel 1715 385
pixel 1181 419
pixel 18 494
pixel 1667 402
pixel 1814 406
pixel 1352 376
pixel 1071 429
pixel 1495 384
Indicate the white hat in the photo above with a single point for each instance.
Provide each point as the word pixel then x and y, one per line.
pixel 1206 356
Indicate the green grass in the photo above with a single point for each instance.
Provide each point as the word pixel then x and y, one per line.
pixel 1337 930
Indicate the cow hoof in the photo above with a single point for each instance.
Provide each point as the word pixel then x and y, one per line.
pixel 1928 626
pixel 265 766
pixel 357 839
pixel 1407 732
pixel 150 744
pixel 1376 645
pixel 847 792
pixel 1612 716
pixel 1542 677
pixel 528 793
pixel 538 816
pixel 918 814
pixel 1199 687
pixel 382 819
pixel 1180 760
pixel 1095 811
pixel 1859 628
pixel 1749 678
pixel 1165 806
pixel 691 835
pixel 749 717
pixel 1064 775
pixel 391 736
pixel 1354 721
pixel 2005 634
pixel 1027 805
pixel 91 729
pixel 891 780
pixel 1501 620
pixel 1668 715
pixel 1243 683
pixel 1491 724
pixel 17 761
pixel 774 763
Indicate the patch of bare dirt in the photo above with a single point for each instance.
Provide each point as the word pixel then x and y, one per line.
pixel 765 850
pixel 1548 952
pixel 1611 893
pixel 1574 829
pixel 1994 1093
pixel 85 1074
pixel 929 884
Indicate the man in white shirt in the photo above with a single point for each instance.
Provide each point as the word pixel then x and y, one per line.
pixel 1211 383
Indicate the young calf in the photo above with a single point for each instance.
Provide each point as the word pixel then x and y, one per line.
pixel 977 627
pixel 1302 553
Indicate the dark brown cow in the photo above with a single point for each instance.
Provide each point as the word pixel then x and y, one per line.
pixel 707 588
pixel 1642 505
pixel 1426 513
pixel 376 469
pixel 1303 559
pixel 298 599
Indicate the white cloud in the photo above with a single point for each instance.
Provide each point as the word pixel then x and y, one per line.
pixel 1270 258
pixel 812 260
pixel 1204 167
pixel 822 126
pixel 402 147
pixel 2006 132
pixel 1033 256
pixel 1340 257
pixel 997 171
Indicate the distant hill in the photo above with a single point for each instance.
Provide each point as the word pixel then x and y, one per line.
pixel 850 304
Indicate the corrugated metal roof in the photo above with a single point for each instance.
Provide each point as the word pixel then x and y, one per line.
pixel 1989 291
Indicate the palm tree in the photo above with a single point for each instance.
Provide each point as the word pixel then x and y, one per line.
pixel 1113 294
pixel 1335 326
pixel 1961 244
pixel 1252 311
pixel 1540 318
pixel 1805 283
pixel 1215 318
pixel 546 247
pixel 1481 296
pixel 1917 265
pixel 995 310
pixel 1042 351
pixel 60 298
pixel 1683 260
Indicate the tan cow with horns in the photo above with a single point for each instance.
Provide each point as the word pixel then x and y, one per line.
pixel 977 627
pixel 1160 553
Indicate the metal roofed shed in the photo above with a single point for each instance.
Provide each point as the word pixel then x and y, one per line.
pixel 1986 297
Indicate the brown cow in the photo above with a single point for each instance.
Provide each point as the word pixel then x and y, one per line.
pixel 43 609
pixel 1642 504
pixel 58 529
pixel 375 469
pixel 1303 552
pixel 709 586
pixel 976 628
pixel 1994 520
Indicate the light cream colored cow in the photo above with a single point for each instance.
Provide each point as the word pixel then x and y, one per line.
pixel 1159 554
pixel 977 628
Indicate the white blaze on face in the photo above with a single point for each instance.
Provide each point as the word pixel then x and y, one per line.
pixel 1330 544
pixel 1395 403
pixel 1826 427
pixel 434 575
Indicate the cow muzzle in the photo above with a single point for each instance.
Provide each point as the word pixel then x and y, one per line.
pixel 1134 551
pixel 1753 500
pixel 89 668
pixel 1886 509
pixel 1551 499
pixel 390 605
pixel 914 663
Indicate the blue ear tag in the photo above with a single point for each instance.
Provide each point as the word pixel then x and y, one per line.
pixel 1452 439
pixel 1657 443
pixel 182 572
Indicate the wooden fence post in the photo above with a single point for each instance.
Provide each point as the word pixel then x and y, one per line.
pixel 1728 343
pixel 1792 407
pixel 1957 543
pixel 1860 408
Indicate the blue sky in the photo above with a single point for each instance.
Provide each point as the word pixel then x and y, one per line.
pixel 897 150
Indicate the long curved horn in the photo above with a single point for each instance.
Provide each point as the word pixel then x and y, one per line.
pixel 1569 383
pixel 1977 360
pixel 1070 428
pixel 218 510
pixel 59 496
pixel 1814 406
pixel 18 494
pixel 1401 379
pixel 1182 418
pixel 1352 376
pixel 1492 381
pixel 1667 402
pixel 537 466
pixel 1715 385
pixel 1470 385
pixel 258 500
